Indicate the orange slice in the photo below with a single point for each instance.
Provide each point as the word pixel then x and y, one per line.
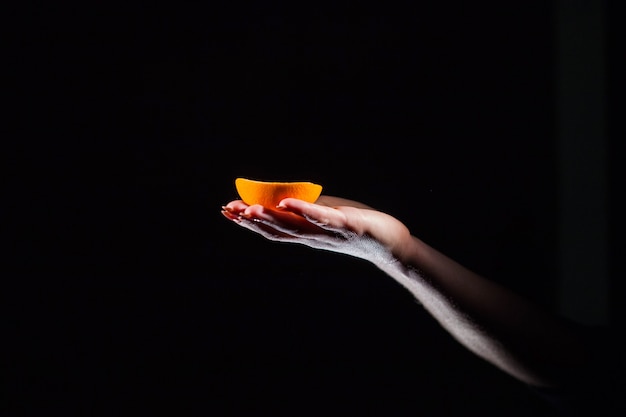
pixel 269 194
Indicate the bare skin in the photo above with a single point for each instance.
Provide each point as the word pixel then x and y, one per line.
pixel 503 328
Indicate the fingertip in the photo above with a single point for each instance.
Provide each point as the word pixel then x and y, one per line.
pixel 288 202
pixel 253 210
pixel 283 204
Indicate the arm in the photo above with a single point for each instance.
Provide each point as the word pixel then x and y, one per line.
pixel 491 321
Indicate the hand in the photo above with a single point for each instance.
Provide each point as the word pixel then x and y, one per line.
pixel 331 223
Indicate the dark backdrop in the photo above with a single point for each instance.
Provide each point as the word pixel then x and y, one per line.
pixel 134 295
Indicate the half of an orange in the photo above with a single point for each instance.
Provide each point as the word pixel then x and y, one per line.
pixel 270 193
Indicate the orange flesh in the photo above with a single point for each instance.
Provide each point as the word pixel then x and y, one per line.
pixel 269 194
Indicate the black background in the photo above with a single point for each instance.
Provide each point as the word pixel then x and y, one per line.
pixel 133 295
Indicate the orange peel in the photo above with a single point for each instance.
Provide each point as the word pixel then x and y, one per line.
pixel 270 193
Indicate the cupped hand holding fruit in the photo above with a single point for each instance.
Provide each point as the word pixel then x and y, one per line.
pixel 521 339
pixel 294 213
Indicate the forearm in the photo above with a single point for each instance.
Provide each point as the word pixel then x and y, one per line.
pixel 503 328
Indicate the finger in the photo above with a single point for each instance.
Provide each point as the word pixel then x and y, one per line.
pixel 283 221
pixel 328 218
pixel 235 206
pixel 275 223
pixel 265 230
pixel 263 227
